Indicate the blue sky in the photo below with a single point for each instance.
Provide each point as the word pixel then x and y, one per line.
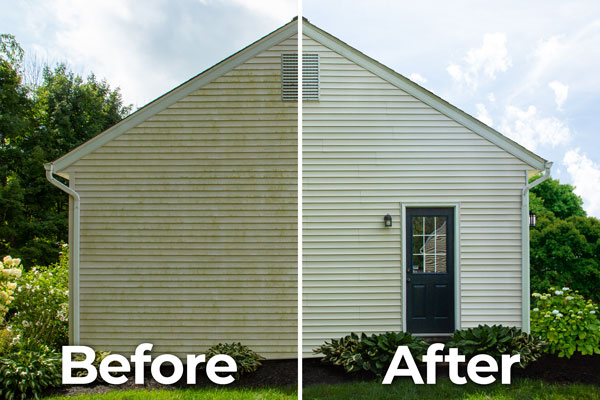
pixel 529 69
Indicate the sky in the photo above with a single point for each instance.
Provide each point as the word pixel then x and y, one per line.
pixel 528 69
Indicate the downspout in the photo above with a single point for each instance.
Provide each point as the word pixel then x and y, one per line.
pixel 525 283
pixel 73 248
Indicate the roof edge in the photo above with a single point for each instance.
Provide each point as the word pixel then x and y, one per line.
pixel 177 93
pixel 424 95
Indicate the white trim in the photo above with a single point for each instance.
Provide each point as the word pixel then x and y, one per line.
pixel 457 297
pixel 177 94
pixel 74 250
pixel 525 271
pixel 424 95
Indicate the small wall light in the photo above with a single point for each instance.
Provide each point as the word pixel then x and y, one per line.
pixel 531 218
pixel 387 220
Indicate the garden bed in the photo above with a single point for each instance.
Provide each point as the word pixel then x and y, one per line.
pixel 273 373
pixel 577 369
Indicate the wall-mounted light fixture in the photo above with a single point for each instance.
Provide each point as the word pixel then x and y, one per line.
pixel 387 220
pixel 532 218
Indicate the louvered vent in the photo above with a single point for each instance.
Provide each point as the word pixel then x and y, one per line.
pixel 289 77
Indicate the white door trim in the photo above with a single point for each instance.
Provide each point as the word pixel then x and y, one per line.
pixel 457 299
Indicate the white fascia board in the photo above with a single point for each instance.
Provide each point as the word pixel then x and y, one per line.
pixel 424 95
pixel 177 94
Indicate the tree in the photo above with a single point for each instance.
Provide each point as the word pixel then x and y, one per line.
pixel 565 243
pixel 16 112
pixel 40 126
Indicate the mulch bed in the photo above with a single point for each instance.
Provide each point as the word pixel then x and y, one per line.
pixel 273 373
pixel 577 369
pixel 282 373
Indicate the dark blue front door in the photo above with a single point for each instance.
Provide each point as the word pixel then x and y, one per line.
pixel 430 270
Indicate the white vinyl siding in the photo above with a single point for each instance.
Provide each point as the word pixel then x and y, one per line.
pixel 368 147
pixel 188 222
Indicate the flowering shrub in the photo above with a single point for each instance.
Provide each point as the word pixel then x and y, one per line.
pixel 41 305
pixel 9 272
pixel 566 321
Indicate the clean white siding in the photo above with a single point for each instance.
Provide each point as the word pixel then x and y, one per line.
pixel 368 147
pixel 188 222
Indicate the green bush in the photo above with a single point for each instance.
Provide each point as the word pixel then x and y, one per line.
pixel 28 370
pixel 495 341
pixel 6 340
pixel 246 359
pixel 568 322
pixel 41 304
pixel 372 353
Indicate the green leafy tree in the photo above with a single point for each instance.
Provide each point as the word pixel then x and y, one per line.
pixel 565 243
pixel 16 120
pixel 60 114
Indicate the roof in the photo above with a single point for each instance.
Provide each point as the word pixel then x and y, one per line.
pixel 327 40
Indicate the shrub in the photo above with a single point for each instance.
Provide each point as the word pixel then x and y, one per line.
pixel 372 353
pixel 568 322
pixel 98 357
pixel 28 370
pixel 497 340
pixel 41 304
pixel 10 271
pixel 246 359
pixel 6 339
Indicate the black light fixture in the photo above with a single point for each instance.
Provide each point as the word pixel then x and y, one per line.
pixel 531 218
pixel 387 220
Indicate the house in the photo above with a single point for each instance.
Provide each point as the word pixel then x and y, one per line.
pixel 183 215
pixel 454 191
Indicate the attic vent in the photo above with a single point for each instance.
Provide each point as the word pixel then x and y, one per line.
pixel 289 77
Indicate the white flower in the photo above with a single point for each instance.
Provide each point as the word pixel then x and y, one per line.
pixel 16 262
pixel 592 312
pixel 554 311
pixel 558 292
pixel 536 309
pixel 580 312
pixel 566 289
pixel 559 315
pixel 7 260
pixel 569 298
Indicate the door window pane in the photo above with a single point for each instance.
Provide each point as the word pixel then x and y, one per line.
pixel 429 244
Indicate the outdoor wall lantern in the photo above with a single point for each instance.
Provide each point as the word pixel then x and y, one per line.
pixel 387 220
pixel 531 218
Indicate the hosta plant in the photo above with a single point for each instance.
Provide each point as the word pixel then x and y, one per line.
pixel 245 358
pixel 371 353
pixel 567 321
pixel 28 370
pixel 497 340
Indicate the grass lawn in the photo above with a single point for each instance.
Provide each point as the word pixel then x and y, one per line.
pixel 189 394
pixel 444 389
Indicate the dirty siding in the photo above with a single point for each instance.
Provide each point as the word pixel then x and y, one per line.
pixel 368 146
pixel 188 222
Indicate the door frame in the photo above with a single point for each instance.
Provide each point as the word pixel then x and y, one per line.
pixel 457 298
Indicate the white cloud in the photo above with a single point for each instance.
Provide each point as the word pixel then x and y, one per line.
pixel 585 175
pixel 270 8
pixel 485 61
pixel 561 91
pixel 483 115
pixel 530 129
pixel 418 78
pixel 492 97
